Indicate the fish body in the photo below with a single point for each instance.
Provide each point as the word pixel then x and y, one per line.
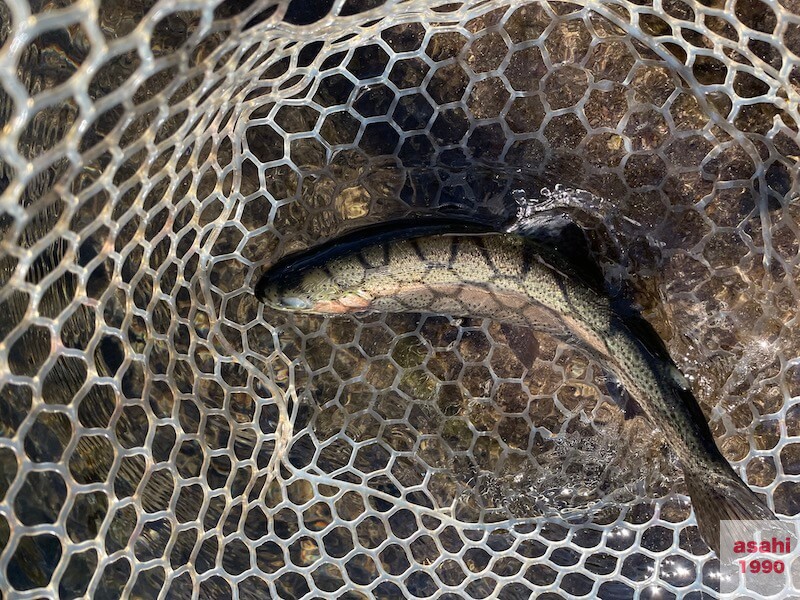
pixel 457 271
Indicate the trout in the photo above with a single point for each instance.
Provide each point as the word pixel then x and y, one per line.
pixel 463 269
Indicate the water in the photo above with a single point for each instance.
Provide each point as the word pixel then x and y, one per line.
pixel 148 391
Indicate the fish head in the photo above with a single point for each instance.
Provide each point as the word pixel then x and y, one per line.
pixel 312 291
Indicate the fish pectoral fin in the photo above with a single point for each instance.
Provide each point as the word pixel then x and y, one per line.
pixel 356 300
pixel 718 497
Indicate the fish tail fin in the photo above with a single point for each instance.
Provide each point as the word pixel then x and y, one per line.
pixel 720 497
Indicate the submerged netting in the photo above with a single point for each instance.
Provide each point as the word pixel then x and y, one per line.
pixel 164 435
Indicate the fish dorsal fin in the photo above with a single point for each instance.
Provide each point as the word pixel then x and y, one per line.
pixel 563 246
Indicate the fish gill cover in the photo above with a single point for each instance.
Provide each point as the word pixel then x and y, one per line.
pixel 162 433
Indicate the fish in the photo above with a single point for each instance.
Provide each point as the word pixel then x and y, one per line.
pixel 464 269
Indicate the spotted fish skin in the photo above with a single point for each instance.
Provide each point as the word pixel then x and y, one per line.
pixel 513 279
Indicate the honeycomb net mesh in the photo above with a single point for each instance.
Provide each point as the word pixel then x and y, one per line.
pixel 162 434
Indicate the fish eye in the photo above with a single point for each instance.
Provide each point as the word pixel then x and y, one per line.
pixel 294 302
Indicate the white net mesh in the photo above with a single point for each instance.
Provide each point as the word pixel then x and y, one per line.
pixel 162 434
